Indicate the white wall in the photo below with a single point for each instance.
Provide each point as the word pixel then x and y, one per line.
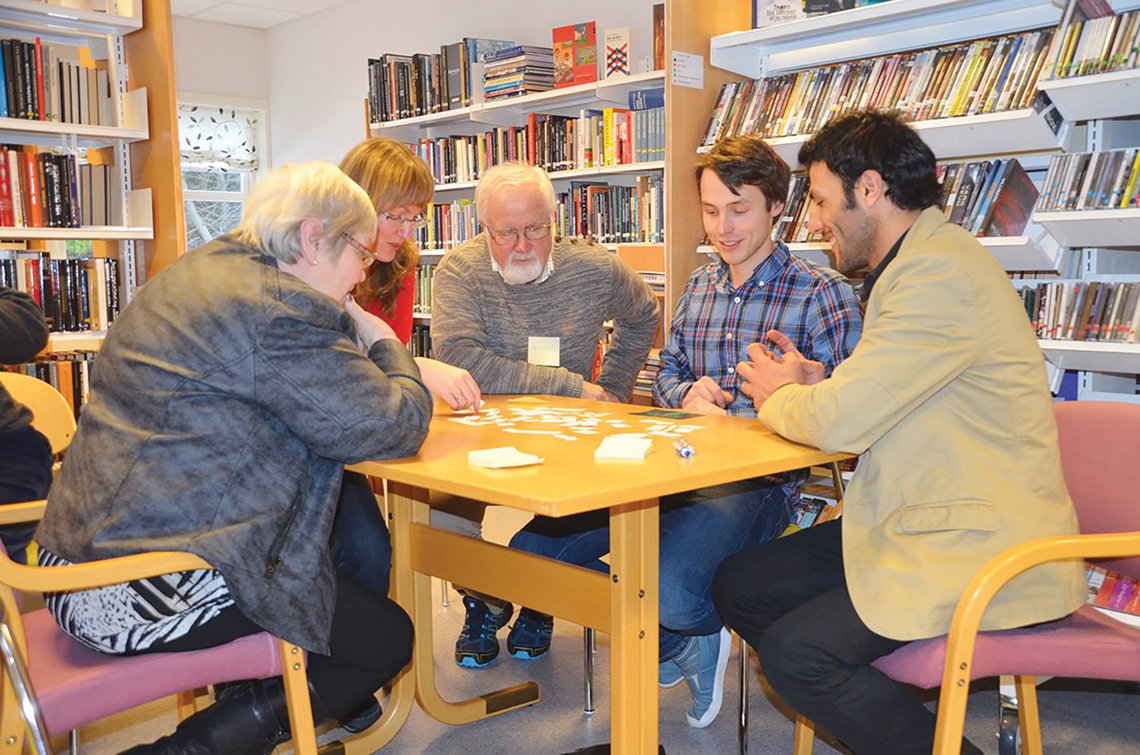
pixel 220 59
pixel 318 64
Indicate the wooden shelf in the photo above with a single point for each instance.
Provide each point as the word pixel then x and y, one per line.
pixel 421 316
pixel 101 233
pixel 70 19
pixel 874 30
pixel 1095 356
pixel 86 341
pixel 1120 228
pixel 514 110
pixel 1104 95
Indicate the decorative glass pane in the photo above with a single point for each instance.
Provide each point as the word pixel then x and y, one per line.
pixel 212 180
pixel 205 220
pixel 223 138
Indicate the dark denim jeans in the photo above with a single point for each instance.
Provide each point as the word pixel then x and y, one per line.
pixel 25 475
pixel 699 529
pixel 361 545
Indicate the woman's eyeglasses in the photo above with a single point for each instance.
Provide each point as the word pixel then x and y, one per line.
pixel 366 254
pixel 418 222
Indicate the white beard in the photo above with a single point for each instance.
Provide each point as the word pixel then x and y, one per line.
pixel 521 269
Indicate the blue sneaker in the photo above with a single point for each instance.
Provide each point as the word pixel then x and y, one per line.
pixel 477 645
pixel 530 636
pixel 703 663
pixel 669 674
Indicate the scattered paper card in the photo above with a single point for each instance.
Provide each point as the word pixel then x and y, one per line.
pixel 499 458
pixel 624 446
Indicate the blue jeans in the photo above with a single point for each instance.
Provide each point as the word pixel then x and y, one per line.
pixel 25 475
pixel 361 545
pixel 699 529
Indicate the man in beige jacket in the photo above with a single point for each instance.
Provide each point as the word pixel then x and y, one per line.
pixel 945 398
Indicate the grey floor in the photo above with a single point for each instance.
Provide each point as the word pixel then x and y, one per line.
pixel 1077 719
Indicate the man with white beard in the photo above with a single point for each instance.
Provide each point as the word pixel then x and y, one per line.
pixel 523 311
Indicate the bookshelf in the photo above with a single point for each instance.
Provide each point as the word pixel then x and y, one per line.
pixel 143 127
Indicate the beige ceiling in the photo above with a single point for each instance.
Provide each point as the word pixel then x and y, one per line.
pixel 259 14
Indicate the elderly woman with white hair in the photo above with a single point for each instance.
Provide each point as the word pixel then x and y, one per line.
pixel 225 403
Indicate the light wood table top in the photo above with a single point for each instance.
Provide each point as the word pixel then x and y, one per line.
pixel 570 480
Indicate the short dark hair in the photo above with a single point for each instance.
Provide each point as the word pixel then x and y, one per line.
pixel 747 161
pixel 877 140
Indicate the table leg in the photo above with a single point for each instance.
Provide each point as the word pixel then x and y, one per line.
pixel 411 506
pixel 634 598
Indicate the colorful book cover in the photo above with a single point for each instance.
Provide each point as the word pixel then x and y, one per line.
pixel 585 53
pixel 563 56
pixel 617 52
pixel 1013 205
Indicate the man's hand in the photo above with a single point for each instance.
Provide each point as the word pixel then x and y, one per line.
pixel 706 389
pixel 596 392
pixel 766 371
pixel 699 405
pixel 452 384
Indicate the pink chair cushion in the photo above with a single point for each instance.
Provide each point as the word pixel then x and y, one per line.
pixel 1087 645
pixel 76 686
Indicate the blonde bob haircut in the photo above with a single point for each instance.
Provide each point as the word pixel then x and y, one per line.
pixel 394 176
pixel 513 175
pixel 280 202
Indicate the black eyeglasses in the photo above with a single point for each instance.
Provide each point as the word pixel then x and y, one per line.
pixel 367 254
pixel 508 236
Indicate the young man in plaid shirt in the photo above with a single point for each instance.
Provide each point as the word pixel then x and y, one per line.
pixel 756 286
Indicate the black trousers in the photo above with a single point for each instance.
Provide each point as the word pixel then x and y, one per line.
pixel 25 475
pixel 371 641
pixel 788 599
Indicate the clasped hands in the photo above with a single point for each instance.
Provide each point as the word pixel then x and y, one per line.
pixel 766 371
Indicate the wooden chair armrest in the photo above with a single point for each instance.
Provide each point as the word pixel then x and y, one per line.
pixel 976 598
pixel 16 513
pixel 97 573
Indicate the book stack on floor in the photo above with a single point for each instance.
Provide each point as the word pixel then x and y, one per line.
pixel 53 82
pixel 1084 310
pixel 76 295
pixel 648 374
pixel 517 71
pixel 972 78
pixel 1092 181
pixel 1112 591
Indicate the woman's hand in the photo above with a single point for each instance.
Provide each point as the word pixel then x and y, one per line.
pixel 452 384
pixel 369 327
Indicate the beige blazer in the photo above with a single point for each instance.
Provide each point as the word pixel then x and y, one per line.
pixel 946 398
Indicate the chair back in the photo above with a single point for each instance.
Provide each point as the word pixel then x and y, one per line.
pixel 51 414
pixel 1100 456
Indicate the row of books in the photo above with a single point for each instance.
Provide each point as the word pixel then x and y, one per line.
pixel 52 82
pixel 988 197
pixel 1092 181
pixel 647 376
pixel 451 223
pixel 1084 311
pixel 41 189
pixel 420 342
pixel 75 294
pixel 597 138
pixel 68 372
pixel 424 275
pixel 518 71
pixel 1111 590
pixel 984 76
pixel 1101 44
pixel 404 86
pixel 613 214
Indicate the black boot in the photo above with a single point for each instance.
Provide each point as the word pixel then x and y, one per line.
pixel 250 719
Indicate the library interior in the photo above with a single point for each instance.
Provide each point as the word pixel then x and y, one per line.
pixel 696 376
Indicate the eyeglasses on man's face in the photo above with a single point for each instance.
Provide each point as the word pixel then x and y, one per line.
pixel 366 254
pixel 508 236
pixel 418 222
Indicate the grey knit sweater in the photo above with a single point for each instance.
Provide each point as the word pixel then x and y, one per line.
pixel 483 325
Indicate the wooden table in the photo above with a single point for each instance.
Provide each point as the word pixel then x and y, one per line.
pixel 623 603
